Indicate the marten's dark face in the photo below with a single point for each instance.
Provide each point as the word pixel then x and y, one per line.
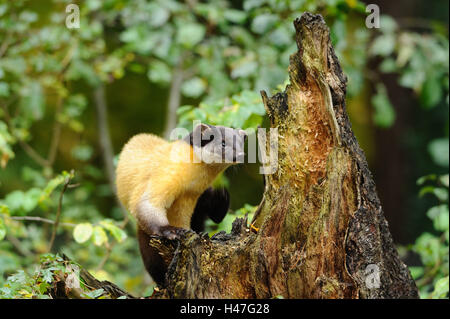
pixel 219 144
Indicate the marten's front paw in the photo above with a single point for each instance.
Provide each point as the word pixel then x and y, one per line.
pixel 171 232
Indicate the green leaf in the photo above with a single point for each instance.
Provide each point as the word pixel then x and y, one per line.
pixel 444 180
pixel 441 194
pixel 384 111
pixel 47 274
pixel 159 73
pixel 99 236
pixel 6 139
pixel 193 87
pixel 423 179
pixel 251 4
pixel 51 186
pixel 441 288
pixel 20 202
pixel 4 89
pixel 33 100
pixel 440 217
pixel 235 16
pixel 438 150
pixel 82 152
pixel 383 45
pixel 281 36
pixel 82 232
pixel 426 190
pixel 94 294
pixel 388 24
pixel 243 68
pixel 388 65
pixel 115 231
pixel 263 22
pixel 2 229
pixel 431 93
pixel 416 272
pixel 158 15
pixel 190 34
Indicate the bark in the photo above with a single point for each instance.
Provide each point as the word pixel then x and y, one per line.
pixel 174 98
pixel 106 148
pixel 321 232
pixel 104 137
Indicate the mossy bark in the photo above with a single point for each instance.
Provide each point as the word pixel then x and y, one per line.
pixel 322 233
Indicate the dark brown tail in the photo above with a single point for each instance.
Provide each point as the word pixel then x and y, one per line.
pixel 213 203
pixel 152 260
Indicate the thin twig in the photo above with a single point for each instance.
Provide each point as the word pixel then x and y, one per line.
pixel 39 219
pixel 58 213
pixel 106 257
pixel 18 246
pixel 174 97
pixel 56 133
pixel 106 145
pixel 31 152
pixel 5 44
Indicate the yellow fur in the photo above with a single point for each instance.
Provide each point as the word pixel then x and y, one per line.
pixel 150 165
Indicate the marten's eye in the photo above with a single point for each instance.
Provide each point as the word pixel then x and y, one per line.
pixel 223 144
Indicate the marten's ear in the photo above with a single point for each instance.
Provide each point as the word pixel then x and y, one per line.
pixel 207 134
pixel 200 136
pixel 202 127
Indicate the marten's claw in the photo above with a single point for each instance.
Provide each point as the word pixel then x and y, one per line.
pixel 171 232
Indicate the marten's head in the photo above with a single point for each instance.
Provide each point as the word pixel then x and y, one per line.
pixel 218 144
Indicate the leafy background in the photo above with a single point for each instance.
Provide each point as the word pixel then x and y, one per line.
pixel 70 98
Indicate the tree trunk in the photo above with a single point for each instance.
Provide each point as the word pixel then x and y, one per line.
pixel 321 232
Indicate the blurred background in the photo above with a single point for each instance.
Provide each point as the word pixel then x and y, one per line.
pixel 71 97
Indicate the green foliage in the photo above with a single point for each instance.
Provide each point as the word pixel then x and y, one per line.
pixel 34 285
pixel 225 225
pixel 243 110
pixel 433 248
pixel 421 60
pixel 229 49
pixel 384 115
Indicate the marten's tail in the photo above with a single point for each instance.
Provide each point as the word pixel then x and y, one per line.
pixel 213 203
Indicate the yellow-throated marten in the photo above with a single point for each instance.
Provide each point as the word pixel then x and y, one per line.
pixel 166 185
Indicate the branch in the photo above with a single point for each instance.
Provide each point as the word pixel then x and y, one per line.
pixel 39 219
pixel 58 213
pixel 106 145
pixel 30 151
pixel 56 134
pixel 174 97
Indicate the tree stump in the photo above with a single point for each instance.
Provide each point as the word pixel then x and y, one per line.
pixel 322 232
